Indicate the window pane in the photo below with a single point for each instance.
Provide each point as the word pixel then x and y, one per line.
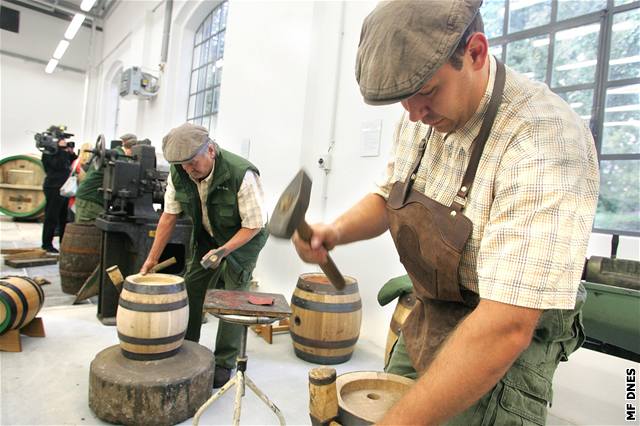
pixel 496 51
pixel 204 55
pixel 493 16
pixel 205 121
pixel 524 14
pixel 215 24
pixel 198 35
pixel 216 98
pixel 199 104
pixel 624 61
pixel 570 8
pixel 201 78
pixel 581 101
pixel 621 133
pixel 196 57
pixel 619 203
pixel 220 45
pixel 207 28
pixel 212 126
pixel 619 2
pixel 213 48
pixel 575 56
pixel 194 82
pixel 192 107
pixel 208 102
pixel 210 75
pixel 223 16
pixel 218 76
pixel 529 57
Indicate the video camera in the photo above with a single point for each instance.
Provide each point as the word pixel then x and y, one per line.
pixel 47 141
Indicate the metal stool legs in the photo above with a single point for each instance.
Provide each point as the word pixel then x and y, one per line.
pixel 240 380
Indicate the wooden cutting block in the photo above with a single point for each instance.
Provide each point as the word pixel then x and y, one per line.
pixel 27 263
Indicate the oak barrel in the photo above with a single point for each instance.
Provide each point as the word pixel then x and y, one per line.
pixel 152 316
pixel 400 314
pixel 21 193
pixel 79 255
pixel 325 322
pixel 21 299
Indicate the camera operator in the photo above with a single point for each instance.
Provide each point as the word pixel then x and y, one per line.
pixel 57 167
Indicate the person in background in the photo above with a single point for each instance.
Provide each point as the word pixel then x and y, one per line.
pixel 489 195
pixel 57 167
pixel 222 195
pixel 89 201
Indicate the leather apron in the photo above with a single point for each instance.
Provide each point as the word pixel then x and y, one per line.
pixel 430 238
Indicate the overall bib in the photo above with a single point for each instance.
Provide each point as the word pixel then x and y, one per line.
pixel 430 239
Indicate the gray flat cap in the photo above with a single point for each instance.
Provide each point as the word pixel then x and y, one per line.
pixel 129 140
pixel 404 42
pixel 184 142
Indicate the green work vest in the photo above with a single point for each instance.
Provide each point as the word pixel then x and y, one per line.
pixel 222 207
pixel 88 188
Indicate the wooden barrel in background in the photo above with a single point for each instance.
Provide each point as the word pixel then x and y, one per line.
pixel 152 316
pixel 79 255
pixel 21 194
pixel 21 299
pixel 325 322
pixel 400 314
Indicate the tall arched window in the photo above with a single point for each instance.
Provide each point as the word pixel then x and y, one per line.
pixel 206 68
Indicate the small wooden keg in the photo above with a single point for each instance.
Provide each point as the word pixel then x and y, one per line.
pixel 79 255
pixel 325 322
pixel 153 312
pixel 21 299
pixel 400 314
pixel 21 193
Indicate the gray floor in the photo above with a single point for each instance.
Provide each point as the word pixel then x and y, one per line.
pixel 47 383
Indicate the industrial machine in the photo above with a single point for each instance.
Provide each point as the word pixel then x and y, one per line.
pixel 136 84
pixel 131 186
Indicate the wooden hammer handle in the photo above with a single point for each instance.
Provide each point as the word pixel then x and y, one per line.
pixel 164 264
pixel 329 268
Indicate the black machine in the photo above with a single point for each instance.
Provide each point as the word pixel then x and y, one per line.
pixel 131 187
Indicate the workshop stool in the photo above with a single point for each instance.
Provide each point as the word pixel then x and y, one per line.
pixel 241 378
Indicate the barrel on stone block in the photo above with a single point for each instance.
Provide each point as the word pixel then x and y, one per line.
pixel 400 314
pixel 21 194
pixel 152 317
pixel 325 322
pixel 20 301
pixel 79 255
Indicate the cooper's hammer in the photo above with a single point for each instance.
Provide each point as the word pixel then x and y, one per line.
pixel 288 217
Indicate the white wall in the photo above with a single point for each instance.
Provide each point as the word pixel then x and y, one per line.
pixel 288 87
pixel 30 99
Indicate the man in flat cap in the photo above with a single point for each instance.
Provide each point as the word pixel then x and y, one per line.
pixel 489 196
pixel 222 194
pixel 89 201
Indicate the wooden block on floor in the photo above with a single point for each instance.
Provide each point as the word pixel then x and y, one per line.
pixel 28 254
pixel 27 263
pixel 18 250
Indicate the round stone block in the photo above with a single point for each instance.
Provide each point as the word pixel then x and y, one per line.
pixel 160 392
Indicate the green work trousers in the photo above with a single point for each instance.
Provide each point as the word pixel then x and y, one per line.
pixel 87 211
pixel 198 280
pixel 522 396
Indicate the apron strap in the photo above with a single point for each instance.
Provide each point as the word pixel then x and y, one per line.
pixel 480 141
pixel 408 182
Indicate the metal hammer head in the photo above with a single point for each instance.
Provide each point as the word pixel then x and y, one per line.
pixel 291 207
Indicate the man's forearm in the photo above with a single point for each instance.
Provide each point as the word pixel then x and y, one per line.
pixel 240 238
pixel 166 224
pixel 367 219
pixel 474 358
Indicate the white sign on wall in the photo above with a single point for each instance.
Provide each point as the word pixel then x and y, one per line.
pixel 370 138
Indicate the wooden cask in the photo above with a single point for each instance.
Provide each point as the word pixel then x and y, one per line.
pixel 325 322
pixel 21 194
pixel 79 255
pixel 152 316
pixel 21 299
pixel 400 314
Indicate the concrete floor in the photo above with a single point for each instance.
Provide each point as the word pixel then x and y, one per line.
pixel 47 383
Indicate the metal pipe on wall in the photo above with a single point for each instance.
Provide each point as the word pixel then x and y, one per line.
pixel 166 33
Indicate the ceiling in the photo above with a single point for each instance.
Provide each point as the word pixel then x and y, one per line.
pixel 65 9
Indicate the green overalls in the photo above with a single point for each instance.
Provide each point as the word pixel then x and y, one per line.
pixel 430 238
pixel 234 273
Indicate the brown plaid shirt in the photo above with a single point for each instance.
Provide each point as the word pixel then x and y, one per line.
pixel 533 199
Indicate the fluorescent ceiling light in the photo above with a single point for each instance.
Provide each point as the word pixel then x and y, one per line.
pixel 576 65
pixel 86 5
pixel 575 105
pixel 623 108
pixel 577 32
pixel 540 42
pixel 625 60
pixel 62 47
pixel 634 123
pixel 522 4
pixel 74 26
pixel 53 63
